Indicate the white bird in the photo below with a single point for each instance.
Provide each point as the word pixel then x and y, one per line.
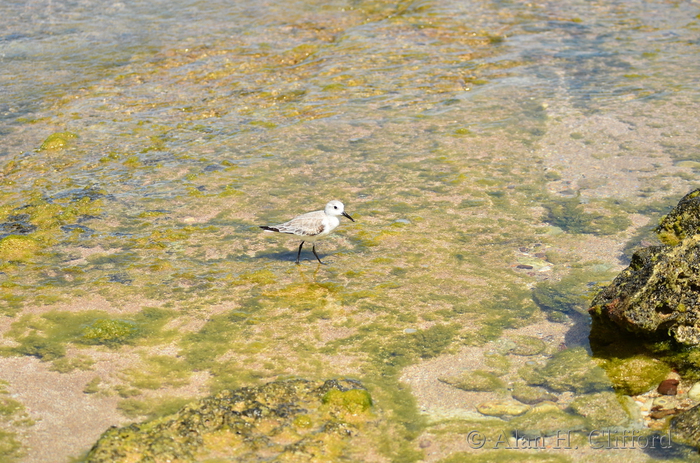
pixel 312 226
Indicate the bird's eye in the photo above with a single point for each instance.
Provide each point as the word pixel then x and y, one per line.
pixel 335 207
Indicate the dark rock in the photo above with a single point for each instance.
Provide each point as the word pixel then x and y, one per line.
pixel 658 295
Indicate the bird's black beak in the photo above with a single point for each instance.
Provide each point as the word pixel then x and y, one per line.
pixel 345 214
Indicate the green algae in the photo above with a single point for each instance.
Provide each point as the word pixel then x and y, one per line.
pixel 636 374
pixel 109 332
pixel 46 336
pixel 159 371
pixel 68 365
pixel 13 417
pixel 682 222
pixel 352 401
pixel 394 352
pixel 57 141
pixel 16 248
pixel 92 386
pixel 497 364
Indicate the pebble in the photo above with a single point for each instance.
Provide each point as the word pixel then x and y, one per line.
pixel 668 387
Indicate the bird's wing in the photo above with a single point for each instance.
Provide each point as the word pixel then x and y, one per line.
pixel 309 224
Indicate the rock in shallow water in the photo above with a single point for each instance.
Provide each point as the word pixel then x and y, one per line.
pixel 282 419
pixel 659 293
pixel 569 370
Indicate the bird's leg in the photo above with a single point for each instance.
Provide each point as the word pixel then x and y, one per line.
pixel 299 253
pixel 313 248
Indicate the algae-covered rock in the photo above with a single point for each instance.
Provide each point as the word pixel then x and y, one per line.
pixel 527 346
pixel 532 394
pixel 57 141
pixel 477 380
pixel 502 407
pixel 659 293
pixel 603 410
pixel 569 370
pixel 682 222
pixel 294 420
pixel 636 374
pixel 685 427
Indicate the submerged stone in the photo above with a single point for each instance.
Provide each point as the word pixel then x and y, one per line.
pixel 478 380
pixel 562 299
pixel 296 420
pixel 685 427
pixel 532 395
pixel 636 374
pixel 569 370
pixel 57 140
pixel 527 346
pixel 502 407
pixel 603 410
pixel 546 419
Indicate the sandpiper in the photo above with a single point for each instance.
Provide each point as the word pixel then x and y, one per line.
pixel 312 226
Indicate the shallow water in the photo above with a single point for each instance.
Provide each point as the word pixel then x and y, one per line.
pixel 482 147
